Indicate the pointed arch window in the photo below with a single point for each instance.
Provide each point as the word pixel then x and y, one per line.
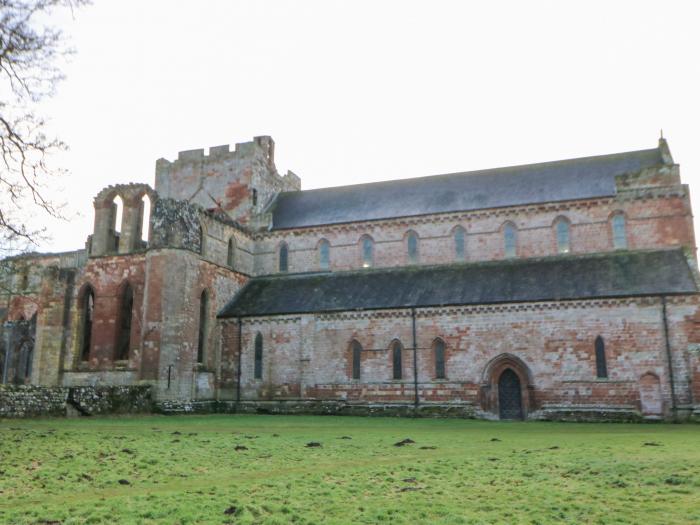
pixel 88 316
pixel 460 241
pixel 125 314
pixel 619 231
pixel 510 240
pixel 283 262
pixel 231 252
pixel 356 359
pixel 439 353
pixel 412 247
pixel 203 325
pixel 367 251
pixel 396 360
pixel 258 363
pixel 324 254
pixel 563 231
pixel 601 366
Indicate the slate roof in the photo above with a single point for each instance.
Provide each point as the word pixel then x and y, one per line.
pixel 582 178
pixel 616 274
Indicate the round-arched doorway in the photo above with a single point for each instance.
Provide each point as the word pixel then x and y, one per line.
pixel 510 398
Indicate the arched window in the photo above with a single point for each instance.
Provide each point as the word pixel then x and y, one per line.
pixel 601 366
pixel 145 218
pixel 367 251
pixel 396 351
pixel 124 330
pixel 412 247
pixel 439 351
pixel 283 257
pixel 619 232
pixel 88 314
pixel 563 235
pixel 202 241
pixel 459 238
pixel 203 322
pixel 356 354
pixel 510 240
pixel 324 254
pixel 258 367
pixel 231 252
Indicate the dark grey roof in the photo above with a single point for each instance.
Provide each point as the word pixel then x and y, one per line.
pixel 617 274
pixel 583 178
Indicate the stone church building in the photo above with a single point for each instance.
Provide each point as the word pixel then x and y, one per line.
pixel 560 290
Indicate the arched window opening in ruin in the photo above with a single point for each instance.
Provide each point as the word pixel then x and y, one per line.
pixel 124 328
pixel 412 247
pixel 356 348
pixel 510 240
pixel 563 232
pixel 203 323
pixel 88 315
pixel 601 366
pixel 324 254
pixel 283 262
pixel 460 241
pixel 619 231
pixel 115 223
pixel 258 364
pixel 367 251
pixel 439 354
pixel 145 220
pixel 231 252
pixel 396 351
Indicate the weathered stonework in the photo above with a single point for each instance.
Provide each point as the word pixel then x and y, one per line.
pixel 150 311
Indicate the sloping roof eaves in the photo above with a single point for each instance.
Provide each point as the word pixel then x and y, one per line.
pixel 619 274
pixel 583 178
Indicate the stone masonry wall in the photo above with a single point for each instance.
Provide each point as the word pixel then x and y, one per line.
pixel 37 401
pixel 659 220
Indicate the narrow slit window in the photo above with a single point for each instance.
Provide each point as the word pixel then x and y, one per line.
pixel 202 341
pixel 439 347
pixel 412 246
pixel 283 257
pixel 367 252
pixel 563 236
pixel 356 359
pixel 324 255
pixel 125 314
pixel 88 318
pixel 396 352
pixel 601 366
pixel 231 253
pixel 619 232
pixel 258 366
pixel 510 240
pixel 459 238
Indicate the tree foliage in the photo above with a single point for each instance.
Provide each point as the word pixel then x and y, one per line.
pixel 30 49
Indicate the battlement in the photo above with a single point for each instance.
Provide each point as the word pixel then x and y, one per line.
pixel 263 146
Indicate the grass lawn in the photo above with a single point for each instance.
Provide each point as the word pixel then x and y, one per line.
pixel 259 469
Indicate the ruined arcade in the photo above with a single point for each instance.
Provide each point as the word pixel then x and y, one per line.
pixel 560 290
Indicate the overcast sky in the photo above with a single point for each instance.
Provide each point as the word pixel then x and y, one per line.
pixel 365 91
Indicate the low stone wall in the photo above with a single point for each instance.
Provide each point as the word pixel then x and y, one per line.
pixel 36 401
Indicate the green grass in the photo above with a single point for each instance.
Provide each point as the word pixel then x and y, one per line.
pixel 186 470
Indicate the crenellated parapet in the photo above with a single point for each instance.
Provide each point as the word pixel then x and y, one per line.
pixel 107 238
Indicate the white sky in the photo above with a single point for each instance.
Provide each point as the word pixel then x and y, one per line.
pixel 363 91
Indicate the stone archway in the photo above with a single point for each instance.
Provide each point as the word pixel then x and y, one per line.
pixel 507 388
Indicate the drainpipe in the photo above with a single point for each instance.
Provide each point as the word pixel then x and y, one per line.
pixel 415 359
pixel 668 356
pixel 238 368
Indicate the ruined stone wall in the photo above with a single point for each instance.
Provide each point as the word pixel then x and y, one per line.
pixel 308 357
pixel 38 401
pixel 655 219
